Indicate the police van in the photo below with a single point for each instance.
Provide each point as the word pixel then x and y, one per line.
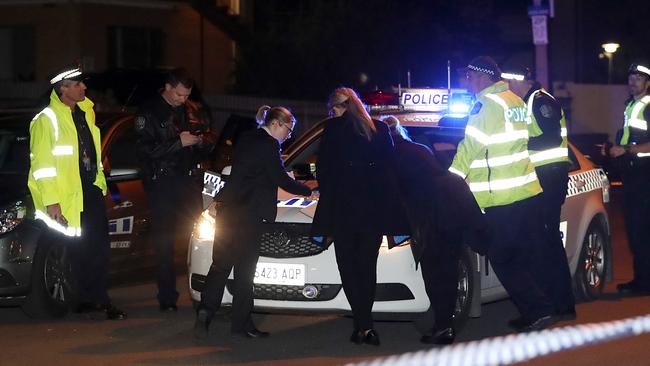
pixel 295 273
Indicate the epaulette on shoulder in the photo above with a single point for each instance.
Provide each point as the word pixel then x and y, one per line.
pixel 477 108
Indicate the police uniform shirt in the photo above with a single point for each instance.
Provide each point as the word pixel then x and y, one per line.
pixel 87 153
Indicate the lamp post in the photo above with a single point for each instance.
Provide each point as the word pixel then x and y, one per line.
pixel 609 49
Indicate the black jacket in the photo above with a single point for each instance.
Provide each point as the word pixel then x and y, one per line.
pixel 257 172
pixel 160 152
pixel 357 187
pixel 548 113
pixel 439 205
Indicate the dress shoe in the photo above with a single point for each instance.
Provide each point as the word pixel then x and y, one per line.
pixel 517 323
pixel 537 324
pixel 568 314
pixel 168 308
pixel 253 333
pixel 371 337
pixel 357 336
pixel 202 323
pixel 113 313
pixel 632 288
pixel 89 307
pixel 443 336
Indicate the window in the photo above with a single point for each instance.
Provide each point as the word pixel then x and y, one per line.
pixel 122 149
pixel 134 47
pixel 17 53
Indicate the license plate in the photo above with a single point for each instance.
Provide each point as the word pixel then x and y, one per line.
pixel 280 274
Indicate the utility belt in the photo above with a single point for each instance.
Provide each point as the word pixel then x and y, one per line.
pixel 167 172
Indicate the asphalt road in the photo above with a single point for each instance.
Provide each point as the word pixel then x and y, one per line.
pixel 149 337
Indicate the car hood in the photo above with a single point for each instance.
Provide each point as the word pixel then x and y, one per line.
pixel 13 187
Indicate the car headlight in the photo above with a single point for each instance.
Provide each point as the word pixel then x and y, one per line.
pixel 11 216
pixel 205 226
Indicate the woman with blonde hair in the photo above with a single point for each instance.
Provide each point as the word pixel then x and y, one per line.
pixel 355 208
pixel 248 200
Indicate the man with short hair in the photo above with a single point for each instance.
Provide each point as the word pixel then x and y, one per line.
pixel 68 186
pixel 632 149
pixel 493 159
pixel 170 145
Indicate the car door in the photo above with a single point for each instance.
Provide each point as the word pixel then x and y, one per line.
pixel 126 202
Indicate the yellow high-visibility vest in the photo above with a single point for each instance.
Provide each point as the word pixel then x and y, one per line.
pixel 54 170
pixel 493 156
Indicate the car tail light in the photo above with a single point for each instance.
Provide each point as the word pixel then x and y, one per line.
pixel 381 101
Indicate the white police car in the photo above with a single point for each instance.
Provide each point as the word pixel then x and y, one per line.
pixel 293 273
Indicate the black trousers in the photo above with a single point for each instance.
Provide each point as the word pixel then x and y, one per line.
pixel 236 244
pixel 510 253
pixel 636 210
pixel 175 202
pixel 356 256
pixel 90 252
pixel 550 263
pixel 439 263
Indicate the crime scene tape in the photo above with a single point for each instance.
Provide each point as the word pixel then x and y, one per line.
pixel 515 348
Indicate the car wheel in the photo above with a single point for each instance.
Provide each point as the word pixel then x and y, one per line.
pixel 465 290
pixel 589 280
pixel 51 288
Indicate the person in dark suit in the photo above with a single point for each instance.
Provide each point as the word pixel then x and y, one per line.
pixel 440 209
pixel 248 200
pixel 355 206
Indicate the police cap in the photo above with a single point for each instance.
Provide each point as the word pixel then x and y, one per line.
pixel 68 73
pixel 519 74
pixel 486 65
pixel 639 69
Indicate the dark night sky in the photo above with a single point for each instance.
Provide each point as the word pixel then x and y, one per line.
pixel 304 48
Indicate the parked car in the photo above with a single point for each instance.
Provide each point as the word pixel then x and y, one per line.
pixel 34 271
pixel 295 273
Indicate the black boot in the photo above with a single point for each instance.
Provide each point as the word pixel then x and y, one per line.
pixel 202 323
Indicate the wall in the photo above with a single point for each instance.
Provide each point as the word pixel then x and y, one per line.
pixel 593 108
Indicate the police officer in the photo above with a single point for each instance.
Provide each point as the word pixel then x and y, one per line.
pixel 169 148
pixel 548 149
pixel 67 185
pixel 493 158
pixel 632 149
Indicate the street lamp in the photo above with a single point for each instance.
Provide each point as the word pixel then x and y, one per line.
pixel 609 49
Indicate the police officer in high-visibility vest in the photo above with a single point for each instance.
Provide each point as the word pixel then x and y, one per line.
pixel 548 149
pixel 68 187
pixel 632 149
pixel 493 159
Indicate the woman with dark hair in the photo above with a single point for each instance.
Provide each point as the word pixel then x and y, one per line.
pixel 355 208
pixel 442 214
pixel 247 201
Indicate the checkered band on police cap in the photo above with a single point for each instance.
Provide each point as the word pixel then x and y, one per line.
pixel 484 64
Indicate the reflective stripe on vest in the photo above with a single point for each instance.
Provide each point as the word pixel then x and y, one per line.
pixel 44 173
pixel 554 154
pixel 65 230
pixel 501 184
pixel 55 122
pixel 499 161
pixel 62 150
pixel 497 138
